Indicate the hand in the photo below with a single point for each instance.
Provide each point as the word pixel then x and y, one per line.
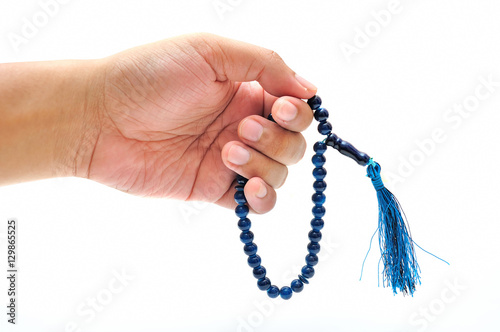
pixel 175 121
pixel 180 117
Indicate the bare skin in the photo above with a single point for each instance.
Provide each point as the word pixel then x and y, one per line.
pixel 177 118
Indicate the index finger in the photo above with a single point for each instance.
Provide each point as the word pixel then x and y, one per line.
pixel 290 113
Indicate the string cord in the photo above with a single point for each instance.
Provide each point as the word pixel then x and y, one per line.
pixel 370 247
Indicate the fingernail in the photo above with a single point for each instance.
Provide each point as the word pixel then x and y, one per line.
pixel 305 83
pixel 286 110
pixel 238 155
pixel 251 130
pixel 262 192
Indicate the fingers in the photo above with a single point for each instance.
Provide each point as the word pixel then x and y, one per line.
pixel 243 62
pixel 260 196
pixel 250 163
pixel 291 113
pixel 283 146
pixel 266 147
pixel 280 141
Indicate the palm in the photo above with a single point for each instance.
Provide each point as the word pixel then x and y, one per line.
pixel 162 114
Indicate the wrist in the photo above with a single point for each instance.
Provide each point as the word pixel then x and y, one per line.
pixel 47 110
pixel 81 129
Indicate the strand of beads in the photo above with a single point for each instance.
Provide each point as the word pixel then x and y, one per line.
pixel 318 211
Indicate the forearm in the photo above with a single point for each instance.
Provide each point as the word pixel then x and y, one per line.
pixel 45 112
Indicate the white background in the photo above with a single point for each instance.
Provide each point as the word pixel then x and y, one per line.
pixel 189 271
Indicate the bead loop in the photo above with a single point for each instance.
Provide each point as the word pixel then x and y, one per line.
pixel 317 223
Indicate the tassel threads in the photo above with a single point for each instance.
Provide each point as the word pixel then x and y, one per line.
pixel 401 270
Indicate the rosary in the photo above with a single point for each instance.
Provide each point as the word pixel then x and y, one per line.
pixel 401 271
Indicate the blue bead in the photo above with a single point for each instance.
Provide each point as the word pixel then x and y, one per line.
pixel 311 259
pixel 320 147
pixel 304 280
pixel 246 237
pixel 244 224
pixel 239 197
pixel 321 114
pixel 315 236
pixel 318 160
pixel 273 292
pixel 270 117
pixel 241 211
pixel 319 186
pixel 297 286
pixel 307 271
pixel 250 249
pixel 319 173
pixel 286 293
pixel 314 102
pixel 325 128
pixel 318 211
pixel 239 187
pixel 254 260
pixel 313 247
pixel 318 198
pixel 259 272
pixel 264 283
pixel 241 180
pixel 317 224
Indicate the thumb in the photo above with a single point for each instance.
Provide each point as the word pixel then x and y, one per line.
pixel 242 62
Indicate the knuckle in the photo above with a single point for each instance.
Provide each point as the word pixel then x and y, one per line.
pixel 301 148
pixel 281 150
pixel 272 56
pixel 282 178
pixel 272 172
pixel 296 149
pixel 206 35
pixel 204 38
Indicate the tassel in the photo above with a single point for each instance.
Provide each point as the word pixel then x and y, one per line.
pixel 401 270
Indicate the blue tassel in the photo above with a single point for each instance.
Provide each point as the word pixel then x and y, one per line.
pixel 401 270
